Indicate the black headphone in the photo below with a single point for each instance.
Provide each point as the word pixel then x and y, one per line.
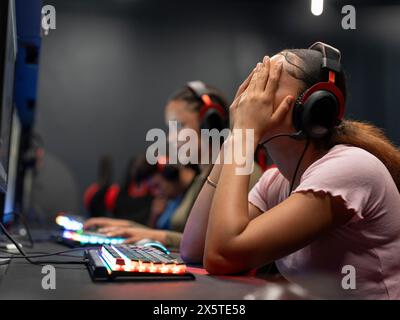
pixel 320 108
pixel 213 111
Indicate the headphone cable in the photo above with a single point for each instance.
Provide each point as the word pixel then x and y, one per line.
pixel 298 166
pixel 297 136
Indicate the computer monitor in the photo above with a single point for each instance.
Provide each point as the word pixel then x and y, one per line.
pixel 12 173
pixel 8 53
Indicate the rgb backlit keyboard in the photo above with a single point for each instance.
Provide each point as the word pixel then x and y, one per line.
pixel 141 262
pixel 88 238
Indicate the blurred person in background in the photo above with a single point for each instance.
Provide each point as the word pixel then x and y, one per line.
pixel 132 200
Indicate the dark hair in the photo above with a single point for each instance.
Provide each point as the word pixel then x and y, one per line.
pixel 137 171
pixel 185 94
pixel 305 65
pixel 105 170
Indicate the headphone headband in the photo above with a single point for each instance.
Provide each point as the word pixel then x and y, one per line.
pixel 204 95
pixel 330 56
pixel 198 88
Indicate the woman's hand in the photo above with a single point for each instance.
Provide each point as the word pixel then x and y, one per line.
pixel 255 107
pixel 242 88
pixel 134 234
pixel 105 222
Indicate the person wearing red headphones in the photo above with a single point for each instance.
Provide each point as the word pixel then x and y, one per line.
pixel 329 214
pixel 130 200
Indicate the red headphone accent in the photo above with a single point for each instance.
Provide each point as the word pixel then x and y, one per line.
pixel 209 104
pixel 89 194
pixel 328 86
pixel 110 198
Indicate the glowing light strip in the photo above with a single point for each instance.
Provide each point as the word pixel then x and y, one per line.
pixel 85 238
pixel 105 264
pixel 69 224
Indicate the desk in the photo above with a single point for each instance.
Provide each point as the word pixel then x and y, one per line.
pixel 22 280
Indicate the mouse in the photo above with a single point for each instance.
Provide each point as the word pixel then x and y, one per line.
pixel 152 243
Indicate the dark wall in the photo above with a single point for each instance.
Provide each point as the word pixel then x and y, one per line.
pixel 108 68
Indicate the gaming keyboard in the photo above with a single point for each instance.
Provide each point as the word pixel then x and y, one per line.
pixel 112 262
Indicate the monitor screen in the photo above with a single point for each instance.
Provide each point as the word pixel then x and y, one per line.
pixel 7 67
pixel 12 172
pixel 8 52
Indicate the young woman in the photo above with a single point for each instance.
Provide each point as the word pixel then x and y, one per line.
pixel 338 216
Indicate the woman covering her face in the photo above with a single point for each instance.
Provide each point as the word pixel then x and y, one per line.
pixel 331 204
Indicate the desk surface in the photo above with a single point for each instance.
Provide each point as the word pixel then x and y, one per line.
pixel 22 280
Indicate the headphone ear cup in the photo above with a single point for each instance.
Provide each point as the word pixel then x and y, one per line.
pixel 320 113
pixel 212 120
pixel 297 115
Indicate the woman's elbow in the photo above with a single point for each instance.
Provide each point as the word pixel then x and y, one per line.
pixel 216 264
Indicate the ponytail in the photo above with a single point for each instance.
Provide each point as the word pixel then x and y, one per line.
pixel 371 139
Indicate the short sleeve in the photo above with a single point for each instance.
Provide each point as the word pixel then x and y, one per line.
pixel 351 173
pixel 265 189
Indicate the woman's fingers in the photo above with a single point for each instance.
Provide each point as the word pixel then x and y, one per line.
pixel 94 222
pixel 131 240
pixel 242 88
pixel 280 112
pixel 244 85
pixel 263 74
pixel 273 80
pixel 115 232
pixel 253 81
pixel 107 229
pixel 257 79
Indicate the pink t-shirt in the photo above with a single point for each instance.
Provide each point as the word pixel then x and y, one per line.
pixel 368 246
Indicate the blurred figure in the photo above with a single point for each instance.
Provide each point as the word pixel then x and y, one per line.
pixel 131 201
pixel 134 199
pixel 94 197
pixel 171 182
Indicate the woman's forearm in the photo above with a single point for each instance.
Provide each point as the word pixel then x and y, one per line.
pixel 229 214
pixel 193 239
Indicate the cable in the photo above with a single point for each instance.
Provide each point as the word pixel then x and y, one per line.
pixel 25 223
pixel 28 258
pixel 298 136
pixel 14 254
pixel 38 255
pixel 298 166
